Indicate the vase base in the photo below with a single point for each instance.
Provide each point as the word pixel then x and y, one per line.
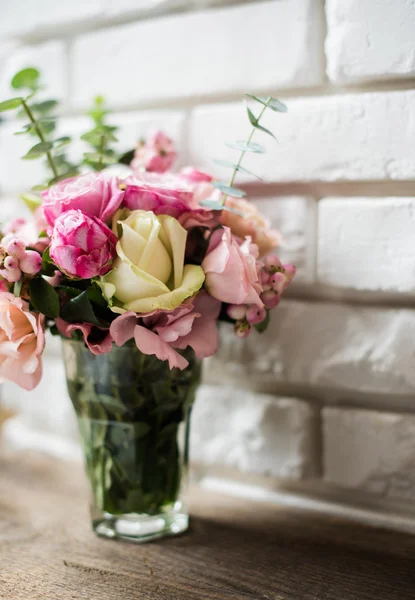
pixel 140 528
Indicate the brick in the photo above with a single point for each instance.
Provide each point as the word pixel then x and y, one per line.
pixel 370 451
pixel 293 216
pixel 323 347
pixel 369 40
pixel 367 243
pixel 277 45
pixel 379 129
pixel 47 407
pixel 20 18
pixel 258 433
pixel 49 58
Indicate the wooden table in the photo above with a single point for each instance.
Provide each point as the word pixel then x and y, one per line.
pixel 236 550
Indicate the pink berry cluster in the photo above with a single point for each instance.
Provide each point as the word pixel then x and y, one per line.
pixel 16 260
pixel 273 277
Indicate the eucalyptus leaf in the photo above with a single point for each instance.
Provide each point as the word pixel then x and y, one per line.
pixel 228 190
pixel 246 147
pixel 215 205
pixel 255 122
pixel 235 166
pixel 98 158
pixel 38 150
pixel 26 78
pixel 62 141
pixel 44 107
pixel 270 102
pixel 10 104
pixel 44 297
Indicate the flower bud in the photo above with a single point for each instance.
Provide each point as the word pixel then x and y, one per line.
pixel 237 311
pixel 255 314
pixel 290 272
pixel 278 282
pixel 16 248
pixel 242 329
pixel 270 299
pixel 272 263
pixel 11 263
pixel 31 263
pixel 11 275
pixel 264 278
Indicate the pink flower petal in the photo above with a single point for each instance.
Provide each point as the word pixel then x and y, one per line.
pixel 150 343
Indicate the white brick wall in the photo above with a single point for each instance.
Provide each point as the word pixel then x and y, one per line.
pixel 327 394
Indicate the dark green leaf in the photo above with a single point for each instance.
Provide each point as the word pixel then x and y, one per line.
pixel 44 297
pixel 44 107
pixel 73 292
pixel 10 104
pixel 99 158
pixel 62 141
pixel 272 103
pixel 26 78
pixel 231 165
pixel 127 157
pixel 80 309
pixel 228 190
pixel 261 327
pixel 140 429
pixel 245 147
pixel 38 150
pixel 48 268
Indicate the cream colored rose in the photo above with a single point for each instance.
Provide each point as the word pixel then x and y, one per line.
pixel 150 273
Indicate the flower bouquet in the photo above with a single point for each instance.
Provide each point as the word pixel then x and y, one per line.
pixel 133 265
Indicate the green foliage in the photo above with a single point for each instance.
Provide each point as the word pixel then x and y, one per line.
pixel 261 327
pixel 255 122
pixel 41 124
pixel 80 310
pixel 269 102
pixel 99 138
pixel 245 147
pixel 44 297
pixel 230 165
pixel 228 190
pixel 32 201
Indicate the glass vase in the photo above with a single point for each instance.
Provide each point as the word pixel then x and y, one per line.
pixel 134 416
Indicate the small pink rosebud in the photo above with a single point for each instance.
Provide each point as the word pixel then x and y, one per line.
pixel 11 263
pixel 237 311
pixel 270 299
pixel 16 248
pixel 242 329
pixel 11 275
pixel 278 281
pixel 31 263
pixel 255 314
pixel 290 272
pixel 272 263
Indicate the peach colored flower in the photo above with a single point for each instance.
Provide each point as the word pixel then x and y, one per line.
pixel 251 223
pixel 22 340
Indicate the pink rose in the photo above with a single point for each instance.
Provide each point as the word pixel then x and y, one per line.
pixel 81 245
pixel 162 194
pixel 95 194
pixel 97 344
pixel 22 340
pixel 192 175
pixel 230 269
pixel 193 324
pixel 157 154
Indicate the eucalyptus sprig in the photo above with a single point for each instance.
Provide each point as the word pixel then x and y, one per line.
pixel 228 188
pixel 41 124
pixel 100 138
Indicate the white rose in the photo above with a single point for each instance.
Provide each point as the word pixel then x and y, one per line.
pixel 150 273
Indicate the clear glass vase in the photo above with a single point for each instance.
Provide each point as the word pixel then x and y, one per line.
pixel 134 418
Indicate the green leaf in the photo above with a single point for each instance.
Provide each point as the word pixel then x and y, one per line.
pixel 38 150
pixel 215 205
pixel 26 78
pixel 96 136
pixel 10 104
pixel 17 288
pixel 48 267
pixel 245 147
pixel 270 102
pixel 80 309
pixel 44 107
pixel 255 123
pixel 32 201
pixel 231 165
pixel 67 175
pixel 261 327
pixel 44 297
pixel 40 187
pixel 228 190
pixel 140 429
pixel 127 157
pixel 97 158
pixel 62 141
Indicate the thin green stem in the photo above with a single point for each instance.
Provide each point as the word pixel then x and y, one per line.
pixel 41 137
pixel 238 164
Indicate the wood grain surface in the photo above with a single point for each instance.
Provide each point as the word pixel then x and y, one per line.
pixel 236 549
